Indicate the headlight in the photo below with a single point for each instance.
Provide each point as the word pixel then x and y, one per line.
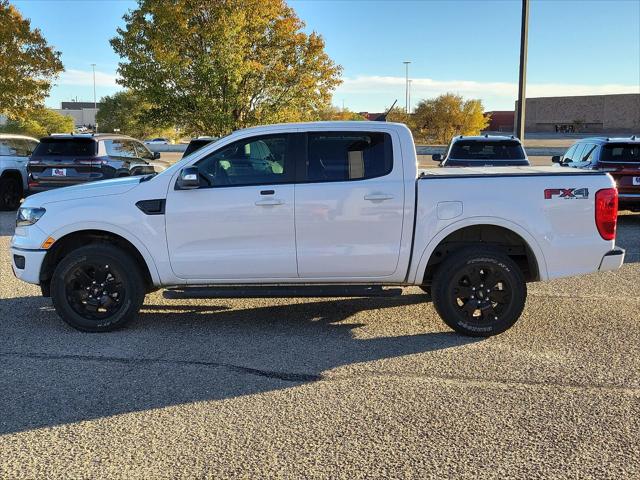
pixel 28 216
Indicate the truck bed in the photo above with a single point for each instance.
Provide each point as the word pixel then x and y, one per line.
pixel 483 172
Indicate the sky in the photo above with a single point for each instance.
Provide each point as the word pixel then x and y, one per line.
pixel 469 47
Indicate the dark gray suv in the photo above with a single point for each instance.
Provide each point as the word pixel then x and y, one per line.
pixel 62 160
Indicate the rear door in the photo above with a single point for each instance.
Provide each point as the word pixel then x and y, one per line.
pixel 622 161
pixel 349 205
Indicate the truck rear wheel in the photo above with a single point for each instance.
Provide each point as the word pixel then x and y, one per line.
pixel 10 193
pixel 479 292
pixel 97 288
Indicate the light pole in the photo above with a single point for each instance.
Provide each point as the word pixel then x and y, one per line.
pixel 522 79
pixel 406 86
pixel 95 104
pixel 409 95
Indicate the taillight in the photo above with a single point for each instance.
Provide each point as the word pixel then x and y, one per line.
pixel 607 212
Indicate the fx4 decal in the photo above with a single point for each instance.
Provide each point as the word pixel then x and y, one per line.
pixel 565 193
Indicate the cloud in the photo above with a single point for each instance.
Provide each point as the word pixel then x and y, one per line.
pixel 85 77
pixel 492 93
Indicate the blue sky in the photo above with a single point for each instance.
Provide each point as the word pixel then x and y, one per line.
pixel 469 47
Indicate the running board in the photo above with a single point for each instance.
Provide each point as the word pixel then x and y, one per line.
pixel 282 291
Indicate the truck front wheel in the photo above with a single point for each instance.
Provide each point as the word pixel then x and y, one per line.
pixel 479 292
pixel 97 288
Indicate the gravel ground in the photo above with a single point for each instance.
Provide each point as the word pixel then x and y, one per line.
pixel 325 388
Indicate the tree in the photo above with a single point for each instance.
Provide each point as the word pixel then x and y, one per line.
pixel 28 64
pixel 442 118
pixel 126 112
pixel 212 67
pixel 41 122
pixel 331 112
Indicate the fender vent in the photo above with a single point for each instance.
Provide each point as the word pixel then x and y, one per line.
pixel 152 207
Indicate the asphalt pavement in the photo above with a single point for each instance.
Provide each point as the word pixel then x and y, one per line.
pixel 325 388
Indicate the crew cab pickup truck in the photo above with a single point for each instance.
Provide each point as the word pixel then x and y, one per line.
pixel 329 203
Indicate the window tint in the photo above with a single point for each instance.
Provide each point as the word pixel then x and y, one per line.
pixel 252 161
pixel 120 148
pixel 620 152
pixel 339 156
pixel 65 147
pixel 493 150
pixel 194 145
pixel 589 152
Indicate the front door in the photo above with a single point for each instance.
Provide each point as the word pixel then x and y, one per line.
pixel 349 206
pixel 239 224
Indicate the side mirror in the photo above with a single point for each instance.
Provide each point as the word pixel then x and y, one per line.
pixel 556 159
pixel 156 155
pixel 189 179
pixel 437 157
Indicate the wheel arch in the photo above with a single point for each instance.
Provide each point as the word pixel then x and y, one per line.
pixel 475 231
pixel 14 173
pixel 67 242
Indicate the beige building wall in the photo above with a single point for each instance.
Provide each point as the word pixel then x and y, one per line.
pixel 85 116
pixel 590 113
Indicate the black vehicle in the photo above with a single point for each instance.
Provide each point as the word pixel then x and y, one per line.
pixel 197 144
pixel 485 150
pixel 62 160
pixel 620 157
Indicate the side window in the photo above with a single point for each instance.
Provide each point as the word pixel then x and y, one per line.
pixel 31 145
pixel 589 153
pixel 7 148
pixel 22 147
pixel 577 155
pixel 120 148
pixel 342 156
pixel 262 160
pixel 568 156
pixel 143 152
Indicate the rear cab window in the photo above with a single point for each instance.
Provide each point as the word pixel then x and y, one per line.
pixel 620 153
pixel 72 147
pixel 490 150
pixel 343 156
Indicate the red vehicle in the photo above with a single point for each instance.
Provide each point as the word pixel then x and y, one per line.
pixel 618 156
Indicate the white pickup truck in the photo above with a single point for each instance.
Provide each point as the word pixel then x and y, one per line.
pixel 329 203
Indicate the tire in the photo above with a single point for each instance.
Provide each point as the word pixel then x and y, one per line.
pixel 486 277
pixel 10 193
pixel 78 282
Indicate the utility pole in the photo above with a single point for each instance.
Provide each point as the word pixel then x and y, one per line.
pixel 95 103
pixel 522 79
pixel 406 87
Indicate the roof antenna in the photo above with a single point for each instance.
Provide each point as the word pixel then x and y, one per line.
pixel 383 117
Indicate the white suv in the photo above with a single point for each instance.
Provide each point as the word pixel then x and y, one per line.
pixel 15 151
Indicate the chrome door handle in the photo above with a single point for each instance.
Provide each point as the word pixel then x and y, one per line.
pixel 378 197
pixel 267 203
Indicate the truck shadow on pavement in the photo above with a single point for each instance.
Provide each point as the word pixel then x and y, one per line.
pixel 628 236
pixel 181 353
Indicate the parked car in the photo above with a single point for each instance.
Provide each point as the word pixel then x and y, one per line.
pixel 63 160
pixel 485 150
pixel 14 153
pixel 157 141
pixel 197 144
pixel 339 203
pixel 620 157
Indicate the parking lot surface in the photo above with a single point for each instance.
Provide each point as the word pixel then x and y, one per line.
pixel 325 388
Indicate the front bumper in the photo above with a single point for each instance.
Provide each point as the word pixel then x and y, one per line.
pixel 26 264
pixel 612 260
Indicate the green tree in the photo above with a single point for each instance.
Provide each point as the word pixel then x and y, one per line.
pixel 215 66
pixel 126 112
pixel 27 64
pixel 331 112
pixel 41 122
pixel 441 118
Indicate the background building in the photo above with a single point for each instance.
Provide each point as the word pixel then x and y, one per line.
pixel 618 113
pixel 83 113
pixel 500 121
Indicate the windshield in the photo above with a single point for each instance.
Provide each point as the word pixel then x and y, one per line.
pixel 65 147
pixel 621 152
pixel 490 150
